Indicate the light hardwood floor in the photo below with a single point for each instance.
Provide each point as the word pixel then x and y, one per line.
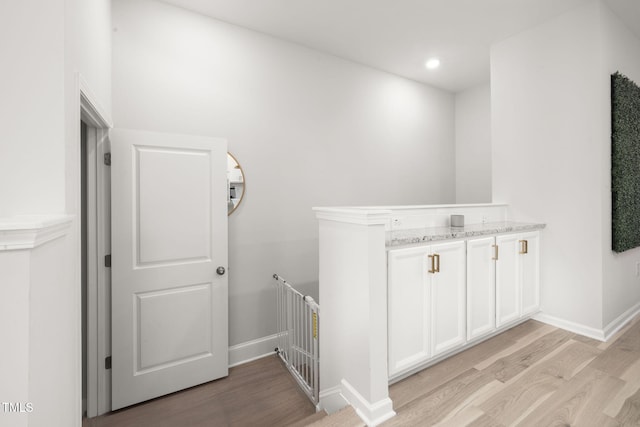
pixel 531 375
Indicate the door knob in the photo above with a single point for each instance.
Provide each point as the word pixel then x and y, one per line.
pixel 220 271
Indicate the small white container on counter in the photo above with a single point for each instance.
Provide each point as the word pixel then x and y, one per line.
pixel 457 220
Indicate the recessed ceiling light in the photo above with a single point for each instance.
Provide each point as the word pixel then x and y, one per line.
pixel 432 63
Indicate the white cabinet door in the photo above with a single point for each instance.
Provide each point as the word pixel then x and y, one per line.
pixel 426 303
pixel 481 289
pixel 448 297
pixel 507 279
pixel 530 261
pixel 408 308
pixel 517 276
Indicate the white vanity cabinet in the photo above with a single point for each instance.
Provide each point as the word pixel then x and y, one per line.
pixel 426 303
pixel 481 287
pixel 517 276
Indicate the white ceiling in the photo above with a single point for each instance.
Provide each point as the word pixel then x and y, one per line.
pixel 398 36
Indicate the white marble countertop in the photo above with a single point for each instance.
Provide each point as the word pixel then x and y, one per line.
pixel 425 235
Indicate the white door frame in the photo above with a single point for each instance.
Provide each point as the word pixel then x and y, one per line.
pixel 98 245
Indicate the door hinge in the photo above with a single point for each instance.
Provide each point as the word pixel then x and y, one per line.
pixel 107 362
pixel 107 260
pixel 107 159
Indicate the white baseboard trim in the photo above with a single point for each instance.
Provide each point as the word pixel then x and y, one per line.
pixel 587 331
pixel 373 414
pixel 252 350
pixel 598 334
pixel 620 321
pixel 332 400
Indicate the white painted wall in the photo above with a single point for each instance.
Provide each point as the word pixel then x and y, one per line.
pixel 547 133
pixel 43 45
pixel 473 145
pixel 309 129
pixel 32 107
pixel 87 50
pixel 552 158
pixel 620 49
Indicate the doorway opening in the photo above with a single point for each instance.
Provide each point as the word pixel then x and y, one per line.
pixel 95 244
pixel 83 257
pixel 186 256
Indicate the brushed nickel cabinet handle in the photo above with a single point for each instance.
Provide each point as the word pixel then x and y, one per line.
pixel 495 252
pixel 433 268
pixel 437 257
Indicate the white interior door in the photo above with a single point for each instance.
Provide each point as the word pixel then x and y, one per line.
pixel 169 236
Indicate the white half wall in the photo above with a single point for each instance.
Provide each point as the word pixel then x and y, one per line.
pixel 309 129
pixel 473 145
pixel 353 314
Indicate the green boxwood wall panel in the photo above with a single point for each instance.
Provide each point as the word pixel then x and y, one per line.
pixel 625 163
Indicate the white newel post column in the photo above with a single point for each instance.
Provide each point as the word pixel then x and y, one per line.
pixel 353 304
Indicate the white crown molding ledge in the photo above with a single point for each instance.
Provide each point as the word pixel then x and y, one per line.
pixel 361 216
pixel 31 231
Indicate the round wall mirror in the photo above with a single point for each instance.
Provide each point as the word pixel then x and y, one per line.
pixel 235 183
